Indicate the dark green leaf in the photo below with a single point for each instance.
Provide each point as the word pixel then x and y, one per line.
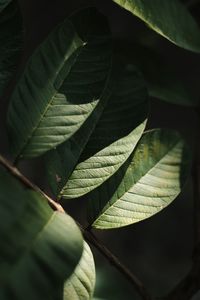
pixel 40 248
pixel 114 138
pixel 61 84
pixel 3 4
pixel 162 79
pixel 149 181
pixel 170 19
pixel 11 36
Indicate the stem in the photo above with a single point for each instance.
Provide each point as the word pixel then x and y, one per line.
pixel 91 238
pixel 88 235
pixel 16 173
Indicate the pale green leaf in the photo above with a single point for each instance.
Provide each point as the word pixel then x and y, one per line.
pixel 149 181
pixel 169 18
pixel 162 79
pixel 114 138
pixel 40 248
pixel 60 162
pixel 80 286
pixel 10 43
pixel 61 84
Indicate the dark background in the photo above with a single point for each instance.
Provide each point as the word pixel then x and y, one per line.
pixel 158 250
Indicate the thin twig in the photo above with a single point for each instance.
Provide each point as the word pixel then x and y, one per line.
pixel 88 235
pixel 91 238
pixel 16 173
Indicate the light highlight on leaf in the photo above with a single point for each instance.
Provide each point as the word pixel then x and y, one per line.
pixel 149 181
pixel 80 286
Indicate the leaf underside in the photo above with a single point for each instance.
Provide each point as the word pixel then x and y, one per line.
pixel 118 129
pixel 80 286
pixel 54 97
pixel 115 136
pixel 149 181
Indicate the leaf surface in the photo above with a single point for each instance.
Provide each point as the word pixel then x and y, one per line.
pixel 40 248
pixel 11 36
pixel 80 286
pixel 162 79
pixel 171 19
pixel 149 181
pixel 113 139
pixel 3 4
pixel 61 84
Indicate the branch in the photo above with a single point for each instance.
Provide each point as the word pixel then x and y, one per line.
pixel 25 181
pixel 89 236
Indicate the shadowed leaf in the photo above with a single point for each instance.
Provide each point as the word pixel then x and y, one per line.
pixel 171 19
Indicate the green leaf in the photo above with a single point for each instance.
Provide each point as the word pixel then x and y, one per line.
pixel 80 286
pixel 149 181
pixel 40 248
pixel 60 162
pixel 114 138
pixel 11 36
pixel 162 79
pixel 3 4
pixel 171 19
pixel 61 84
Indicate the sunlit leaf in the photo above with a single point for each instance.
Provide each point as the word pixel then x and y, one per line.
pixel 80 286
pixel 61 84
pixel 149 181
pixel 114 138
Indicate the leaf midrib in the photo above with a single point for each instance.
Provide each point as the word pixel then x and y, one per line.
pixel 107 207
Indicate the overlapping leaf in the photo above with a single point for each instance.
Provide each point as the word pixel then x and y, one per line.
pixel 114 138
pixel 171 19
pixel 61 84
pixel 162 79
pixel 40 248
pixel 149 181
pixel 80 286
pixel 10 43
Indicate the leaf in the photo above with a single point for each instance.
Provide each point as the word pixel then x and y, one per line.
pixel 149 181
pixel 3 4
pixel 80 286
pixel 61 84
pixel 162 79
pixel 11 36
pixel 40 248
pixel 60 162
pixel 171 19
pixel 114 138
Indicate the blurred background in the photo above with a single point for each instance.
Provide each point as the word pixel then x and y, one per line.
pixel 158 250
